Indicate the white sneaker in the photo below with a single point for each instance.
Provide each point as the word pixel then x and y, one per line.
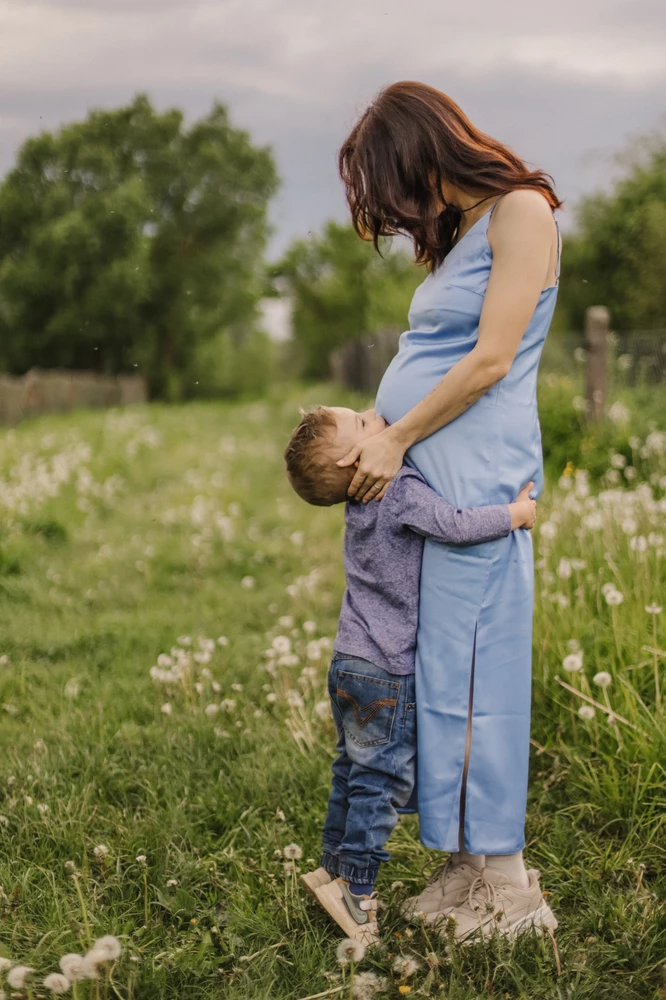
pixel 493 905
pixel 355 915
pixel 441 893
pixel 312 880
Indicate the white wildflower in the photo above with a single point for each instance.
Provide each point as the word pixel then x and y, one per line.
pixel 603 679
pixel 171 882
pixel 293 852
pixel 564 569
pixel 286 621
pixel 184 640
pixel 17 976
pixel 281 644
pixel 619 413
pixel 638 543
pixel 614 597
pixel 236 687
pixel 211 710
pixel 90 964
pixel 141 858
pixel 5 965
pixel 248 582
pixel 228 704
pixel 349 951
pixel 109 947
pixel 314 650
pixel 164 661
pixel 166 708
pixel 222 640
pixel 43 808
pixel 309 627
pixel 630 473
pixel 70 866
pixel 367 985
pixel 208 645
pixel 406 966
pixel 573 645
pixel 72 966
pixel 323 709
pixel 101 851
pixel 198 687
pixel 288 660
pixel 618 461
pixel 271 698
pixel 279 815
pixel 586 712
pixel 4 821
pixel 653 609
pixel 629 526
pixel 573 662
pixel 216 686
pixel 57 983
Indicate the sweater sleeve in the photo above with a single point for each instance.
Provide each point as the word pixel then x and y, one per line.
pixel 425 512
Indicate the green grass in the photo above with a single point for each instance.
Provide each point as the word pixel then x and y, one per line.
pixel 122 532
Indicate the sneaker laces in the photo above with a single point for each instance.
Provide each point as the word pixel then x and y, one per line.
pixel 438 872
pixel 481 894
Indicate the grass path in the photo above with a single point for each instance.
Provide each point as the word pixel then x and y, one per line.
pixel 126 534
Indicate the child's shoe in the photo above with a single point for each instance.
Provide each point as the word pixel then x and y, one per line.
pixel 493 905
pixel 356 915
pixel 312 880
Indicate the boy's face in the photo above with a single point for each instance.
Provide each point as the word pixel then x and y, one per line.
pixel 352 427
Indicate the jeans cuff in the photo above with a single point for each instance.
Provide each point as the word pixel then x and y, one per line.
pixel 331 862
pixel 335 866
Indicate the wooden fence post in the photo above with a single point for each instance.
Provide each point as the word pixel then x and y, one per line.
pixel 597 322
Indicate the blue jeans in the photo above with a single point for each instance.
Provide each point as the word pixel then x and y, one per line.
pixel 374 774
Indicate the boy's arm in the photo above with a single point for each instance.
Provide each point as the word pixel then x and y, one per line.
pixel 424 511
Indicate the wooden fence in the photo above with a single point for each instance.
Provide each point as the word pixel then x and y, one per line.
pixel 56 391
pixel 361 363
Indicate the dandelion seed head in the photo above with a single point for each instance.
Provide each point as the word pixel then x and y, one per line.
pixel 586 712
pixel 367 985
pixel 211 710
pixel 171 882
pixel 72 966
pixel 108 946
pixel 101 851
pixel 166 708
pixel 17 976
pixel 70 866
pixel 653 609
pixel 573 662
pixel 349 951
pixel 406 966
pixel 5 965
pixel 603 679
pixel 57 983
pixel 614 597
pixel 323 709
pixel 141 858
pixel 293 852
pixel 281 644
pixel 248 582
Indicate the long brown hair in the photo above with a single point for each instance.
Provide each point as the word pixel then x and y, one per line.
pixel 410 139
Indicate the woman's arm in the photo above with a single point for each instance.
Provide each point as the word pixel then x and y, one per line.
pixel 523 240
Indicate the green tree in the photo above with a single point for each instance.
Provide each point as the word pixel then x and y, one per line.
pixel 127 241
pixel 617 256
pixel 341 288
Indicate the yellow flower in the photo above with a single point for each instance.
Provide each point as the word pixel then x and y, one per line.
pixel 568 469
pixel 402 990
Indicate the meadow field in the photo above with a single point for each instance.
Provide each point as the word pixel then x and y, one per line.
pixel 167 610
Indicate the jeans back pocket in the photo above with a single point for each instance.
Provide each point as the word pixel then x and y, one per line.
pixel 367 706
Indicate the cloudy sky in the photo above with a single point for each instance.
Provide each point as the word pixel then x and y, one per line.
pixel 568 85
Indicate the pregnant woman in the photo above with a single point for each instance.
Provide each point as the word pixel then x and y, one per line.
pixel 460 398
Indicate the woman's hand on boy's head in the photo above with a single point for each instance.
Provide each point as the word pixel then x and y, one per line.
pixel 378 459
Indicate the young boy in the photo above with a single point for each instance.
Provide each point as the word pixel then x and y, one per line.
pixel 371 679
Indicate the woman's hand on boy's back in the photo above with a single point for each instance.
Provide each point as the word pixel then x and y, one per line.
pixel 523 510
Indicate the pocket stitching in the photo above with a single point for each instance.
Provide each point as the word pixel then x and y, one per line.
pixel 376 707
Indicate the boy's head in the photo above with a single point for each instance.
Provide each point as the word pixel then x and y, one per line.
pixel 323 436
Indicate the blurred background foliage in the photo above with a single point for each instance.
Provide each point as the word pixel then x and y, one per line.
pixel 130 242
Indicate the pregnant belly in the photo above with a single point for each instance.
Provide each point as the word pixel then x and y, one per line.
pixel 483 456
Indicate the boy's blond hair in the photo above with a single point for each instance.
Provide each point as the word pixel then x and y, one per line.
pixel 311 467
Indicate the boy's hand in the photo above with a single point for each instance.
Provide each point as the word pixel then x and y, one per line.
pixel 523 511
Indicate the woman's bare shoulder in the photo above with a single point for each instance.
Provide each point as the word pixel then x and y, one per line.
pixel 521 208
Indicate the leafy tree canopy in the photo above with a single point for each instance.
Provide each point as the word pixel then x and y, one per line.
pixel 341 289
pixel 617 256
pixel 127 239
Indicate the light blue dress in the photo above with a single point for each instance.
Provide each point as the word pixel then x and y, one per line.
pixel 473 665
